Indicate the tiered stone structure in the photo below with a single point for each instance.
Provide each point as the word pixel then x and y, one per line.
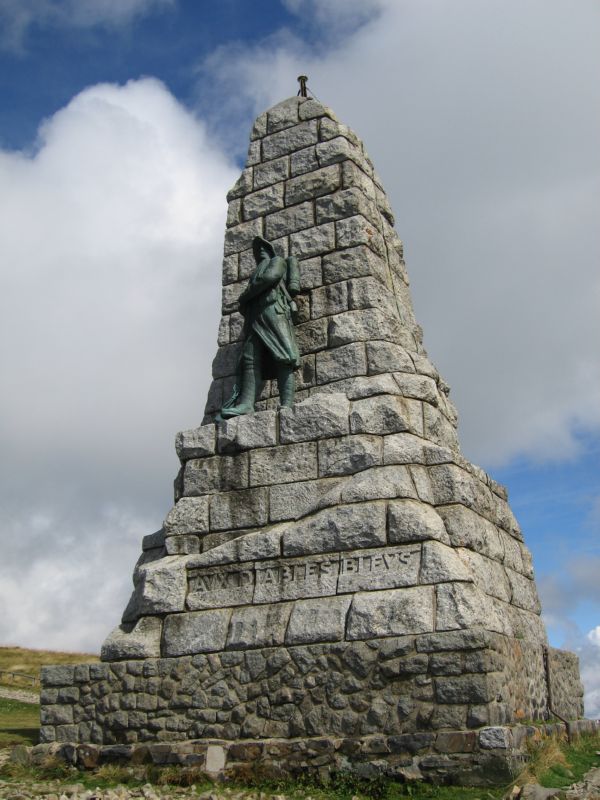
pixel 336 584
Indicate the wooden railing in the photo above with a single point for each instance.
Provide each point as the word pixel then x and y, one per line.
pixel 32 679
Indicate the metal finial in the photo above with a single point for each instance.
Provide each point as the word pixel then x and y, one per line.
pixel 302 92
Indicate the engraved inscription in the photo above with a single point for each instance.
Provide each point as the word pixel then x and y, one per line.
pixel 381 568
pixel 215 587
pixel 294 578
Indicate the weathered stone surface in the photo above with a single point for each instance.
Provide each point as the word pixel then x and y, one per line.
pixel 406 448
pixel 441 563
pixel 141 640
pixel 523 592
pixel 283 464
pixel 468 529
pixel 189 515
pixel 289 220
pixel 391 613
pixel 246 509
pixel 312 336
pixel 182 544
pixel 216 474
pixel 312 184
pixel 341 362
pixel 247 432
pixel 196 632
pixel 154 540
pixel 346 203
pixel 195 443
pixel 303 161
pixel 381 568
pixel 313 241
pixel 388 357
pixel 286 141
pixel 345 455
pixel 462 605
pixel 378 482
pixel 245 546
pixel 412 521
pixel 291 501
pixel 263 201
pixel 489 575
pixel 381 415
pixel 289 579
pixel 352 263
pixel 363 326
pixel 318 620
pixel 240 236
pixel 317 417
pixel 345 527
pixel 490 738
pixel 258 626
pixel 451 484
pixel 339 149
pixel 242 186
pixel 329 300
pixel 283 115
pixel 357 230
pixel 311 108
pixel 271 172
pixel 159 588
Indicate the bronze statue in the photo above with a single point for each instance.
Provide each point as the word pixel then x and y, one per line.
pixel 269 347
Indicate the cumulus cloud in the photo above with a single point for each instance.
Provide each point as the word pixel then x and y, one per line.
pixel 111 233
pixel 483 120
pixel 18 16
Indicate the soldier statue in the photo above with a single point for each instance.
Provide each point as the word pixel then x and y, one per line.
pixel 269 348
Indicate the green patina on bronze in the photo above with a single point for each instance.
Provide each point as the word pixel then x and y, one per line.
pixel 269 348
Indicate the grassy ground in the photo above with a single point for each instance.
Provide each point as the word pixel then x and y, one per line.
pixel 30 662
pixel 572 762
pixel 339 789
pixel 19 723
pixel 553 763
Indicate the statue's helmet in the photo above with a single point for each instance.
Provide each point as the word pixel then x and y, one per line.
pixel 258 243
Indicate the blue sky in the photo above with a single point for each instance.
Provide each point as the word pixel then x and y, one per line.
pixel 123 124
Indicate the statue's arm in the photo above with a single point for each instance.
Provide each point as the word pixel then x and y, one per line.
pixel 270 277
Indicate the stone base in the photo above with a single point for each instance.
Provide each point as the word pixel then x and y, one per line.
pixel 485 757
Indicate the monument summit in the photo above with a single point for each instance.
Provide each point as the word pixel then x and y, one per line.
pixel 336 586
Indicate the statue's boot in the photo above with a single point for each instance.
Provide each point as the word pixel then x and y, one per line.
pixel 286 385
pixel 251 382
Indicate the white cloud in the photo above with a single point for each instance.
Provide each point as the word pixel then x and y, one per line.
pixel 18 16
pixel 594 636
pixel 483 120
pixel 589 660
pixel 111 235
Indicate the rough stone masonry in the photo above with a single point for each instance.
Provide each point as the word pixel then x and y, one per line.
pixel 335 572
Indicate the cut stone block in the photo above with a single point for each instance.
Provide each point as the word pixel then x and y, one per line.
pixel 391 613
pixel 345 527
pixel 318 620
pixel 189 515
pixel 141 640
pixel 317 417
pixel 196 632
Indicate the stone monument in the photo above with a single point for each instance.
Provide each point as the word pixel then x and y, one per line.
pixel 336 586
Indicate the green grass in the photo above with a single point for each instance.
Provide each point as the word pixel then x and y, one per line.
pixel 579 757
pixel 341 788
pixel 19 723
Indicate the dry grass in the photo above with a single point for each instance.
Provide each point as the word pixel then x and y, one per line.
pixel 544 754
pixel 30 662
